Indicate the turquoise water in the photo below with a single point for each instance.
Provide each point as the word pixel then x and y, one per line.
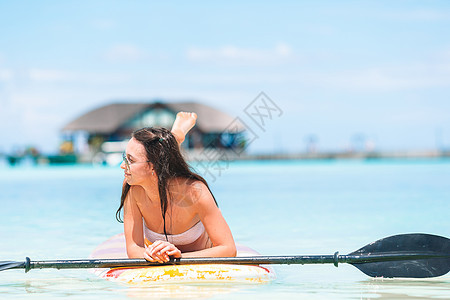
pixel 277 208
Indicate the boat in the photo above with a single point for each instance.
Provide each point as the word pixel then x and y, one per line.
pixel 115 247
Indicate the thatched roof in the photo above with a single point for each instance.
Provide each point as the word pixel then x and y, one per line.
pixel 109 118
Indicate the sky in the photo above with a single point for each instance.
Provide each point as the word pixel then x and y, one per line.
pixel 345 74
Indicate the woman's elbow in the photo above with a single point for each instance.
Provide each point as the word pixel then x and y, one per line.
pixel 231 250
pixel 131 254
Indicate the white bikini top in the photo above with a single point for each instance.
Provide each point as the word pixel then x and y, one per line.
pixel 185 238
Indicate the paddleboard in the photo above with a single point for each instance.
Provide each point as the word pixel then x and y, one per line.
pixel 114 247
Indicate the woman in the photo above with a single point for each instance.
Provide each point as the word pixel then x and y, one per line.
pixel 166 203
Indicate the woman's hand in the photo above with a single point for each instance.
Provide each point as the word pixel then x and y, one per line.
pixel 160 251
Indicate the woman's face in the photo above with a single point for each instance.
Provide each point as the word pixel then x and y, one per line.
pixel 138 169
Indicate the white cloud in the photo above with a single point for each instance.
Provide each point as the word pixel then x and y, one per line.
pixel 387 78
pixel 414 76
pixel 420 15
pixel 124 53
pixel 280 52
pixel 105 78
pixel 5 75
pixel 49 75
pixel 283 50
pixel 443 56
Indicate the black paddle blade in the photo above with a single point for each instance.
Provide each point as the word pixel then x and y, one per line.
pixel 6 265
pixel 434 249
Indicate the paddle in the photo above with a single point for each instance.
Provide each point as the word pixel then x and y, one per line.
pixel 404 255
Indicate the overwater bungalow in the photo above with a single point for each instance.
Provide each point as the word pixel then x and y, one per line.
pixel 102 133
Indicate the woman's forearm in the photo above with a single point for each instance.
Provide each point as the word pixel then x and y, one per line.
pixel 135 251
pixel 216 251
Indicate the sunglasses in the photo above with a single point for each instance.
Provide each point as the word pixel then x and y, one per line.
pixel 127 162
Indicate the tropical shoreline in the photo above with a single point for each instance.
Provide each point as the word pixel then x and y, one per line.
pixel 220 155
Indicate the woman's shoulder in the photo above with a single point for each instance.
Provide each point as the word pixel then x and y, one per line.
pixel 192 190
pixel 185 183
pixel 189 185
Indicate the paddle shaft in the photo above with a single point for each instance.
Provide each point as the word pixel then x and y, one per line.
pixel 414 255
pixel 252 260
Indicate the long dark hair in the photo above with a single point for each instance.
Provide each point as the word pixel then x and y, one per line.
pixel 164 153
